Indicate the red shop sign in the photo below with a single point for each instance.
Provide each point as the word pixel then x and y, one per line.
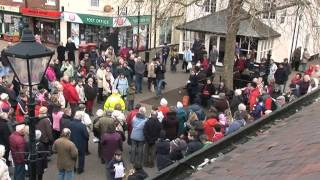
pixel 40 13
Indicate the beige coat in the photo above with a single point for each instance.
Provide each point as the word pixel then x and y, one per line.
pixel 151 73
pixel 67 153
pixel 101 74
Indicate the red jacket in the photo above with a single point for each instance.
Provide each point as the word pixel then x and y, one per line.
pixel 205 63
pixel 70 93
pixel 217 136
pixel 208 127
pixel 129 119
pixel 164 110
pixel 17 147
pixel 268 103
pixel 254 94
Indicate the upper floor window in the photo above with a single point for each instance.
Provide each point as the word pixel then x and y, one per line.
pixel 268 7
pixel 51 2
pixel 210 6
pixel 94 3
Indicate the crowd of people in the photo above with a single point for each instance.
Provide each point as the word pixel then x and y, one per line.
pixel 70 91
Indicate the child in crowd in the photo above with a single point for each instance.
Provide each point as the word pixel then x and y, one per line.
pixel 116 167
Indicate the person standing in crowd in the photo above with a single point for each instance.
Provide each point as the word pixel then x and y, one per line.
pixel 171 124
pixel 90 92
pixel 272 70
pixel 67 68
pixel 194 144
pixel 151 75
pixel 4 170
pixel 104 45
pixel 113 99
pixel 71 48
pixel 213 55
pixel 151 131
pixel 80 91
pixel 129 120
pixel 66 118
pixel 193 86
pixel 139 69
pixel 70 93
pixel 101 74
pixel 67 154
pixel 137 137
pixel 296 59
pixel 116 167
pixel 130 96
pixel 305 60
pixel 18 149
pixel 61 51
pixel 163 151
pixel 281 78
pixel 165 54
pixel 159 70
pixel 5 132
pixel 111 141
pixel 93 57
pixel 187 58
pixel 57 115
pixel 121 84
pixel 79 136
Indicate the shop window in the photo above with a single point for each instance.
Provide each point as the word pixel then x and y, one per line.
pixel 188 39
pixel 94 3
pixel 210 6
pixel 51 2
pixel 268 7
pixel 166 32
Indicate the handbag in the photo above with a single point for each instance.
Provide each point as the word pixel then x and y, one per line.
pixel 189 66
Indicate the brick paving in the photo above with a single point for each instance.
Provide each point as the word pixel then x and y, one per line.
pixel 288 150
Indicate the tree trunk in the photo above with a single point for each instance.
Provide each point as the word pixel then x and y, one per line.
pixel 233 23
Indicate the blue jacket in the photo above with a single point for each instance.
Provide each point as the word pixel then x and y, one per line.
pixel 137 127
pixel 79 135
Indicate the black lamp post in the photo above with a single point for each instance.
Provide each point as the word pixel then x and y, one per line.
pixel 139 2
pixel 29 60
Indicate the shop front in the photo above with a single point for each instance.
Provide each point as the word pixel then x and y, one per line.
pixel 10 23
pixel 120 31
pixel 45 23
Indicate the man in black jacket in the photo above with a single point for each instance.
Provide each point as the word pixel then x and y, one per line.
pixel 281 78
pixel 4 135
pixel 151 133
pixel 159 70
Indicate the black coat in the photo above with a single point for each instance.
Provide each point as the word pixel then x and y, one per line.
pixel 61 51
pixel 280 76
pixel 171 125
pixel 79 135
pixel 71 47
pixel 159 70
pixel 193 86
pixel 193 146
pixel 162 154
pixel 4 135
pixel 104 46
pixel 236 100
pixel 90 92
pixel 151 130
pixel 4 59
pixel 138 175
pixel 65 121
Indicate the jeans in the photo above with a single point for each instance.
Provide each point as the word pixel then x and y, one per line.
pixel 164 59
pixel 159 86
pixel 19 172
pixel 136 156
pixel 139 83
pixel 81 158
pixel 65 175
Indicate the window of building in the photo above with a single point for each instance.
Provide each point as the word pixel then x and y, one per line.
pixel 166 32
pixel 51 2
pixel 94 3
pixel 188 39
pixel 210 6
pixel 269 6
pixel 283 17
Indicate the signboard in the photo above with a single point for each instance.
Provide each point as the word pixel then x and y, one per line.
pixel 105 21
pixel 10 8
pixel 87 19
pixel 40 13
pixel 130 21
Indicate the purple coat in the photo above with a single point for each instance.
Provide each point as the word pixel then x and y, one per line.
pixel 110 142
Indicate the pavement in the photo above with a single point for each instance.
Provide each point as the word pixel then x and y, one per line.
pixel 288 150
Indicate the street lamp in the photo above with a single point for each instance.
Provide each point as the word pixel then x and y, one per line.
pixel 29 61
pixel 139 2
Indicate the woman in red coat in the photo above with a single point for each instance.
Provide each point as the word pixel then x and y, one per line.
pixel 254 94
pixel 208 126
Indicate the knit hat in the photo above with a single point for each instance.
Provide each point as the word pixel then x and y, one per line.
pixel 4 96
pixel 242 107
pixel 163 102
pixel 179 104
pixel 142 110
pixel 99 113
pixel 43 110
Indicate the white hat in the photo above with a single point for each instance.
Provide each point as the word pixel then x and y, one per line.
pixel 2 150
pixel 142 110
pixel 242 107
pixel 163 102
pixel 4 96
pixel 38 134
pixel 99 113
pixel 20 127
pixel 237 92
pixel 179 104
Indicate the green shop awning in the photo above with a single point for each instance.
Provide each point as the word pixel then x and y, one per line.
pixel 105 21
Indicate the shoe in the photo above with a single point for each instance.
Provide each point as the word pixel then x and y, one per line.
pixel 88 153
pixel 80 171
